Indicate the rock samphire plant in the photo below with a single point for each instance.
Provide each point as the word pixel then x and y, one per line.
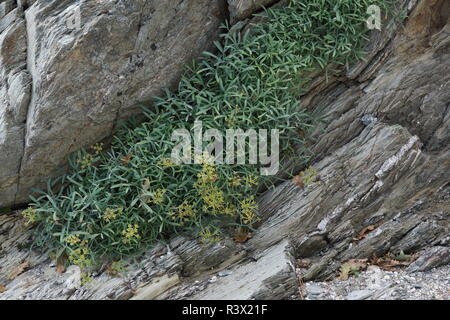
pixel 118 202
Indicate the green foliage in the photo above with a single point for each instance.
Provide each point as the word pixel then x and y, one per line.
pixel 114 204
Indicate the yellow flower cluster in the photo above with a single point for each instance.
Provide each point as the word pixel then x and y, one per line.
pixel 117 266
pixel 208 174
pixel 97 148
pixel 80 257
pixel 212 196
pixel 248 208
pixel 85 278
pixel 251 180
pixel 73 240
pixel 30 215
pixel 111 214
pixel 86 161
pixel 229 209
pixel 184 213
pixel 158 196
pixel 208 236
pixel 166 163
pixel 130 233
pixel 308 175
pixel 204 159
pixel 231 121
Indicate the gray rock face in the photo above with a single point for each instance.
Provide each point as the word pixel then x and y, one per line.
pixel 15 91
pixel 242 9
pixel 436 256
pixel 69 70
pixel 391 174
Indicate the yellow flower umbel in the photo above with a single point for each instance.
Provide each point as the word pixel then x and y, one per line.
pixel 231 121
pixel 184 213
pixel 251 180
pixel 166 163
pixel 80 257
pixel 208 173
pixel 248 208
pixel 117 267
pixel 85 278
pixel 236 181
pixel 30 215
pixel 158 196
pixel 86 161
pixel 208 236
pixel 131 233
pixel 213 198
pixel 97 148
pixel 111 214
pixel 309 176
pixel 73 240
pixel 211 195
pixel 229 209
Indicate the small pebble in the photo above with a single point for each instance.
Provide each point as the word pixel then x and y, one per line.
pixel 368 119
pixel 314 289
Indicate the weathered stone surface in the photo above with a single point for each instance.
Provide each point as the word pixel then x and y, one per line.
pixel 257 279
pixel 6 7
pixel 73 84
pixel 242 9
pixel 15 89
pixel 432 258
pixel 383 160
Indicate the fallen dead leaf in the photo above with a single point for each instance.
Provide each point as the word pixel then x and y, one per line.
pixel 298 181
pixel 301 132
pixel 242 237
pixel 392 262
pixel 60 268
pixel 364 232
pixel 351 266
pixel 61 263
pixel 126 159
pixel 3 289
pixel 344 272
pixel 19 270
